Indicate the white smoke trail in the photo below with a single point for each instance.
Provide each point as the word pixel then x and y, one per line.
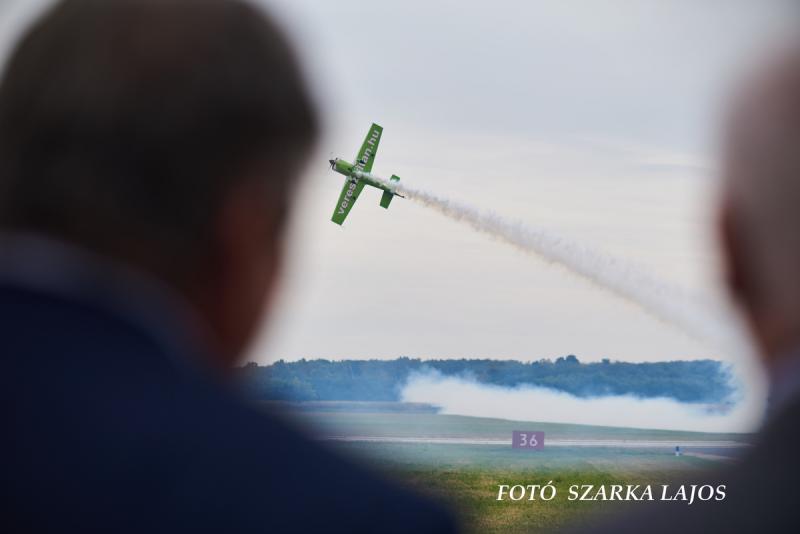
pixel 635 285
pixel 711 325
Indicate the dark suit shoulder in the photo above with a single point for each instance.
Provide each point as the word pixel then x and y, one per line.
pixel 115 430
pixel 276 474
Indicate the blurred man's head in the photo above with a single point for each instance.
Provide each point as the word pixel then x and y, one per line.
pixel 165 134
pixel 761 209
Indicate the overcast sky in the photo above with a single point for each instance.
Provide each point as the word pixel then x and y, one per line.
pixel 594 119
pixel 597 120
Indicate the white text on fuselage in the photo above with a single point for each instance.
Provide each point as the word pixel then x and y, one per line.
pixel 360 164
pixel 347 196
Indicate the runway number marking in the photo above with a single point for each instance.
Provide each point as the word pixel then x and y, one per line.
pixel 528 440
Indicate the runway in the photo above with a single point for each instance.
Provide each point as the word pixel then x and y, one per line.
pixel 611 443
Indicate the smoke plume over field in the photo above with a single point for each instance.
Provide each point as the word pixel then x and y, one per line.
pixel 459 396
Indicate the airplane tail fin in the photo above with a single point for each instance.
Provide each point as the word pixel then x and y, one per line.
pixel 387 197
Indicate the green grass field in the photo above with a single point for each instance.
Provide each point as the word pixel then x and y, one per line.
pixel 472 493
pixel 467 476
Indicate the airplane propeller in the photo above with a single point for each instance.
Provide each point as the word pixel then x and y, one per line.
pixel 332 162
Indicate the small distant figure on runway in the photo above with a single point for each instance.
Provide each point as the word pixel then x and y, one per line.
pixel 677 450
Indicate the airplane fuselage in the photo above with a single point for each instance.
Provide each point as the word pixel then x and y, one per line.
pixel 354 172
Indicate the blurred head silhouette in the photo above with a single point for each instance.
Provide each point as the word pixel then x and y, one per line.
pixel 166 135
pixel 761 203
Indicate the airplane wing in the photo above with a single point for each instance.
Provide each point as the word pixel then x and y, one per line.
pixel 347 198
pixel 366 156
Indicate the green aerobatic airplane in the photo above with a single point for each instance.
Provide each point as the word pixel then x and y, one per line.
pixel 358 175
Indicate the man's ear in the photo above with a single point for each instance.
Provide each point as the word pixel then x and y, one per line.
pixel 740 261
pixel 246 265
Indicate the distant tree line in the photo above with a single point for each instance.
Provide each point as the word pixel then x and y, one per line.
pixel 698 381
